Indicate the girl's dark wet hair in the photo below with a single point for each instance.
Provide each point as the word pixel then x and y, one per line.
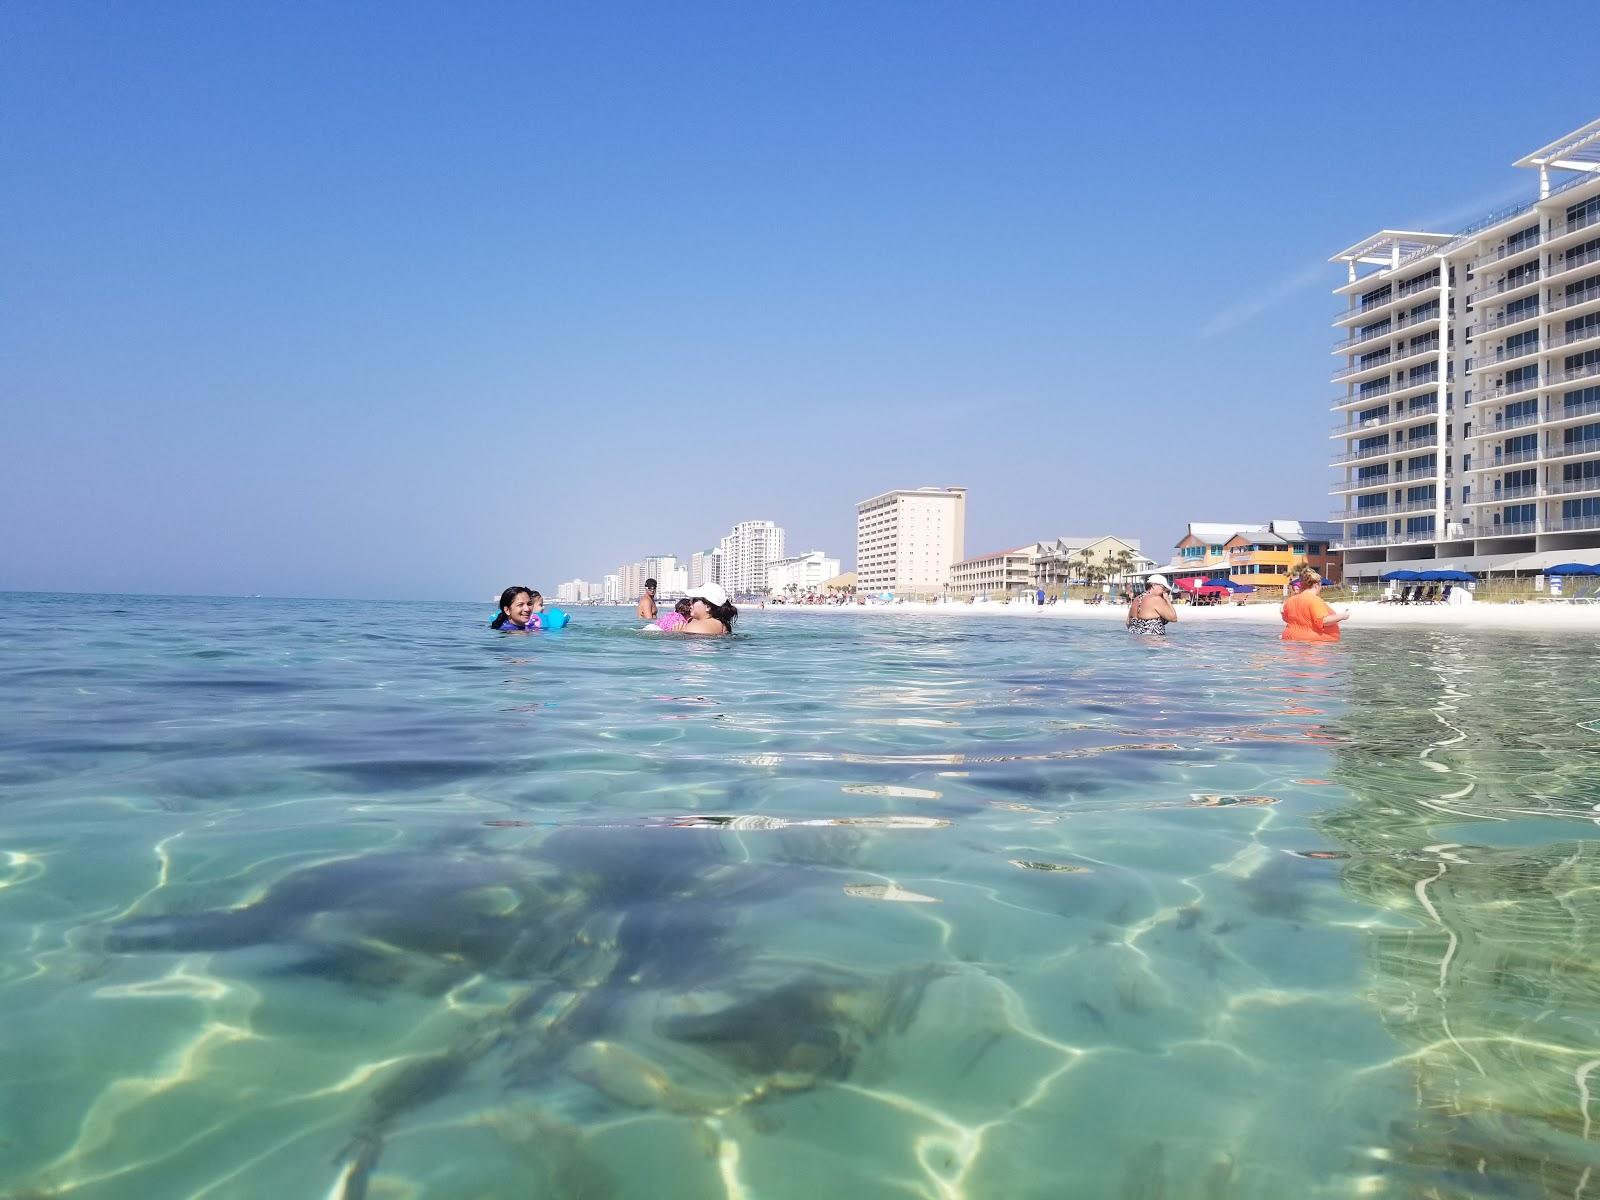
pixel 683 607
pixel 507 599
pixel 722 612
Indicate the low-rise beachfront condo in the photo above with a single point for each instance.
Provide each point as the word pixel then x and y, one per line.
pixel 1468 415
pixel 1262 555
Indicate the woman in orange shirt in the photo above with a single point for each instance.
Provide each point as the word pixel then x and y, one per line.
pixel 1306 615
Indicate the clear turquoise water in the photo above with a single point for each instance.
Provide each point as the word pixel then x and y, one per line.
pixel 315 899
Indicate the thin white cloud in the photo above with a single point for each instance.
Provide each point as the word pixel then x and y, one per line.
pixel 1444 221
pixel 1451 220
pixel 1244 311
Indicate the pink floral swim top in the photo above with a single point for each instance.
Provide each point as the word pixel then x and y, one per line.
pixel 670 622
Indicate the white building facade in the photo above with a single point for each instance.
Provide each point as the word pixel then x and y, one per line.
pixel 1004 573
pixel 746 551
pixel 1468 431
pixel 800 573
pixel 907 540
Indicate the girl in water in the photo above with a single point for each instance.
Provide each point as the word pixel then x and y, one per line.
pixel 519 609
pixel 674 621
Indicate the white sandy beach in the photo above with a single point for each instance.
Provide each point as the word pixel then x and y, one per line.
pixel 1536 615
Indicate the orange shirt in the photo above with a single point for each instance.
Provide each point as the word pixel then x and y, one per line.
pixel 1303 614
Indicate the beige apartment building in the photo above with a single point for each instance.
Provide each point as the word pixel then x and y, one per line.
pixel 907 540
pixel 1004 573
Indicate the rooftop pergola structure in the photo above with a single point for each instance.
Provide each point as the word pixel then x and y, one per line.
pixel 1575 151
pixel 1388 248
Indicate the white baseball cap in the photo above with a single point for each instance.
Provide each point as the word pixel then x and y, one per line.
pixel 713 594
pixel 1158 581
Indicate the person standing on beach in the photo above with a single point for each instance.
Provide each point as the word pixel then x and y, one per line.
pixel 1151 611
pixel 1307 617
pixel 647 602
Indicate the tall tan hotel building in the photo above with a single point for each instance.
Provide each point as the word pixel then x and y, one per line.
pixel 1468 430
pixel 907 540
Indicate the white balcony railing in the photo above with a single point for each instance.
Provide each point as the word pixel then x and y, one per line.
pixel 1510 529
pixel 1395 417
pixel 1505 252
pixel 1348 344
pixel 1376 361
pixel 1568 486
pixel 1581 221
pixel 1581 448
pixel 1592 292
pixel 1510 284
pixel 1589 522
pixel 1574 262
pixel 1501 320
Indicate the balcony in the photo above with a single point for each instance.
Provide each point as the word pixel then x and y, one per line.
pixel 1571 412
pixel 1426 379
pixel 1525 246
pixel 1501 320
pixel 1363 455
pixel 1347 400
pixel 1507 495
pixel 1503 424
pixel 1431 474
pixel 1581 221
pixel 1395 417
pixel 1361 339
pixel 1579 449
pixel 1502 355
pixel 1377 363
pixel 1361 514
pixel 1417 287
pixel 1521 280
pixel 1587 333
pixel 1510 529
pixel 1589 293
pixel 1507 389
pixel 1571 374
pixel 1361 310
pixel 1407 321
pixel 1568 487
pixel 1574 262
pixel 1568 524
pixel 1509 460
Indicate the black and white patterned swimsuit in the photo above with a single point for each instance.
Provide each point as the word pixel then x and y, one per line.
pixel 1148 626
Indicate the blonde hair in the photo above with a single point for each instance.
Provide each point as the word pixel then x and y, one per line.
pixel 1308 577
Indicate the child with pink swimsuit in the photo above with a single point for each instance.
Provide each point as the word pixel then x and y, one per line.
pixel 676 619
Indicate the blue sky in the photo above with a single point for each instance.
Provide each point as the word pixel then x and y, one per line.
pixel 425 299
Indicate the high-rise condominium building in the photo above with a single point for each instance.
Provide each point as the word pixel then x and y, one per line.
pixel 1469 411
pixel 705 566
pixel 907 540
pixel 746 551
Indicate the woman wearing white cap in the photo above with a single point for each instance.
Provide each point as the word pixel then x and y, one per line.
pixel 1151 610
pixel 709 610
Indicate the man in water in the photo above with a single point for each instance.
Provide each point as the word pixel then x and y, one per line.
pixel 647 602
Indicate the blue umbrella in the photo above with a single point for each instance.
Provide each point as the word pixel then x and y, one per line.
pixel 1457 576
pixel 1570 569
pixel 1244 587
pixel 1227 583
pixel 1400 577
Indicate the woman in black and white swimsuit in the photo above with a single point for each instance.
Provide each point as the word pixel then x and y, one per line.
pixel 1151 611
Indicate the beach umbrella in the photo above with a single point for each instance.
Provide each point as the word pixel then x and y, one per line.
pixel 1571 568
pixel 1400 577
pixel 1457 576
pixel 1244 587
pixel 1221 583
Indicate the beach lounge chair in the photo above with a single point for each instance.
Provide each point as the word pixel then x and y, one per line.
pixel 1444 598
